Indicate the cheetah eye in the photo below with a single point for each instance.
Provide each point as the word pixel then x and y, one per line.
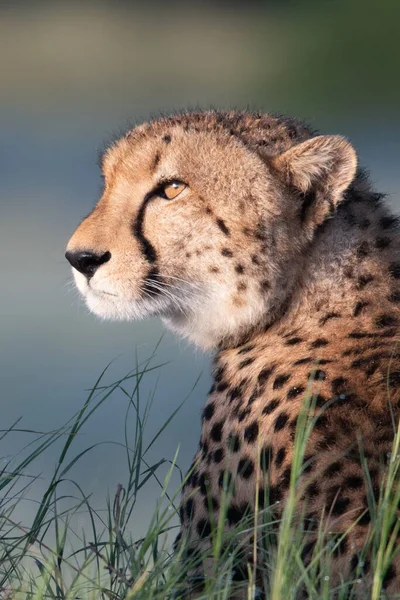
pixel 171 190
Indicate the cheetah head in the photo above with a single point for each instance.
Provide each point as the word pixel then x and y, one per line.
pixel 204 221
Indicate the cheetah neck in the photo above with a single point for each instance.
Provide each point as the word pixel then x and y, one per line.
pixel 350 263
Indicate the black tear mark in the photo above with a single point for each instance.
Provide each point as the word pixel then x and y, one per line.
pixel 147 248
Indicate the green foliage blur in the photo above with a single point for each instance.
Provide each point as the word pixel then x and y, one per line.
pixel 314 59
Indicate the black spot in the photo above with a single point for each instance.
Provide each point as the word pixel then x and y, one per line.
pixel 270 407
pixel 280 381
pixel 328 441
pixel 275 494
pixel 246 349
pixel 245 468
pixel 312 490
pixel 251 432
pixel 218 455
pixel 359 307
pixel 319 400
pixel 339 385
pixel 167 139
pixel 189 509
pixel 395 297
pixel 302 361
pixel 265 458
pixel 281 421
pixel 328 317
pixel 394 270
pixel 227 252
pixel 365 519
pixel 294 392
pixel 394 378
pixel 211 503
pixel 204 483
pixel 364 223
pixel 324 361
pixel 233 442
pixel 318 375
pixel 321 422
pixel 360 335
pixel 221 387
pixel 246 363
pixel 363 280
pixel 208 411
pixel 363 249
pixel 204 446
pixel 203 528
pixel 389 222
pixel 382 242
pixel 243 414
pixel 340 506
pixel 386 321
pixel 264 375
pixel 333 469
pixel 156 161
pixel 255 260
pixel 239 269
pixel 280 457
pixel 235 393
pixel 293 341
pixel 235 514
pixel 319 343
pixel 223 227
pixel 353 482
pixel 261 498
pixel 219 373
pixel 389 576
pixel 216 431
pixel 265 285
pixel 253 397
pixel 193 478
pixel 285 479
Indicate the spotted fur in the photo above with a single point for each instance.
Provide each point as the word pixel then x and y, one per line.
pixel 280 258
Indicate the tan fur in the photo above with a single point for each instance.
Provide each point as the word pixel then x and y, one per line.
pixel 278 256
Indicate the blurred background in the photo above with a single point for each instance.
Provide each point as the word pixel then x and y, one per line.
pixel 72 74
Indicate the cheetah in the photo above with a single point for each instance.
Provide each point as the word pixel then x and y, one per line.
pixel 258 239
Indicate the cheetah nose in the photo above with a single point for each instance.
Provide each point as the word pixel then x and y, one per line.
pixel 87 262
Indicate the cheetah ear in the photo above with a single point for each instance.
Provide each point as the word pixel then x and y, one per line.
pixel 320 169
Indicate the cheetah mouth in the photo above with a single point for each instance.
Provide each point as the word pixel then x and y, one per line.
pixel 167 297
pixel 112 305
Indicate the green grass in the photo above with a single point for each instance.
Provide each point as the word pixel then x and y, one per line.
pixel 50 558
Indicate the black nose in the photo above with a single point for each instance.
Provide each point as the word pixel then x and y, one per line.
pixel 87 262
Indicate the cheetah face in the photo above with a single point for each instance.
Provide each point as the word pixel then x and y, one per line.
pixel 193 226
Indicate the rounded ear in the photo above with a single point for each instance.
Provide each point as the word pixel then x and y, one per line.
pixel 320 170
